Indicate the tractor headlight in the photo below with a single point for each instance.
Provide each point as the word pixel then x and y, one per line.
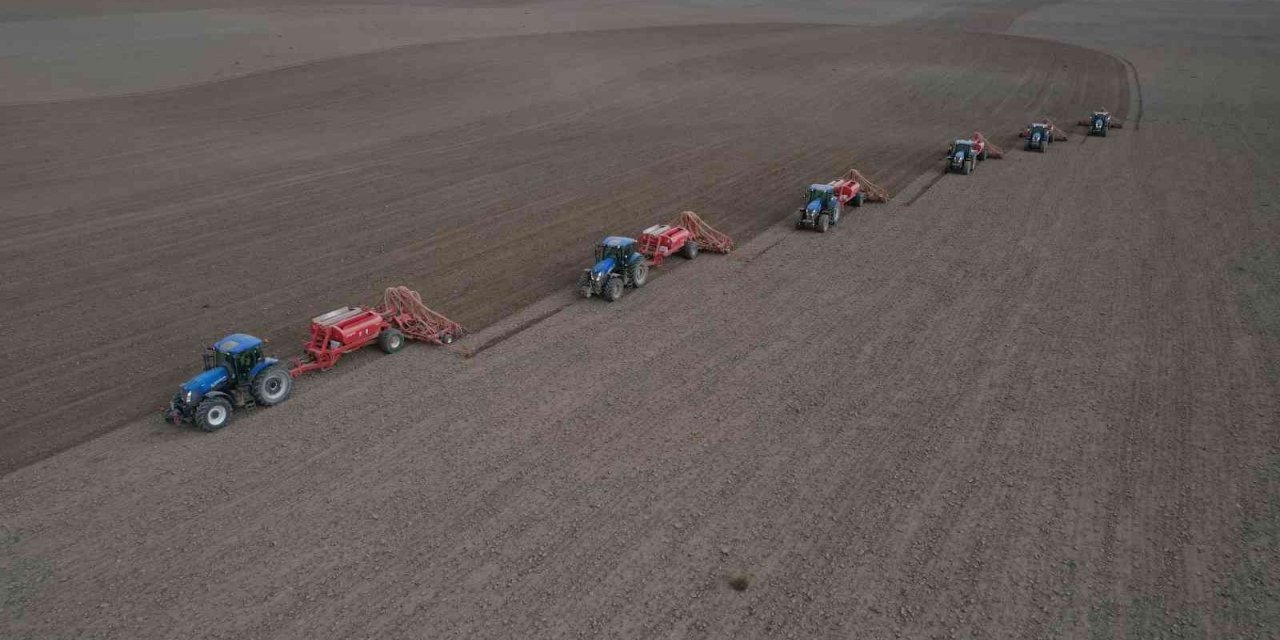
pixel 597 276
pixel 187 396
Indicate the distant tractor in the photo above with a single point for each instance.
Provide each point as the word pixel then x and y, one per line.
pixel 964 155
pixel 661 241
pixel 1039 135
pixel 236 374
pixel 619 264
pixel 1100 122
pixel 821 210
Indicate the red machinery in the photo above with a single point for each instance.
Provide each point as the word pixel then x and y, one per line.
pixel 687 237
pixel 401 316
pixel 984 148
pixel 848 191
pixel 662 240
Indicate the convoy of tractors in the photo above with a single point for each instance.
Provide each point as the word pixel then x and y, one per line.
pixel 237 374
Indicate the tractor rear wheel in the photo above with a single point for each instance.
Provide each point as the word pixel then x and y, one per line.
pixel 213 414
pixel 390 341
pixel 824 223
pixel 982 156
pixel 613 289
pixel 272 386
pixel 689 250
pixel 639 274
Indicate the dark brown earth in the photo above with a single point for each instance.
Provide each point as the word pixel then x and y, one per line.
pixel 1035 402
pixel 479 173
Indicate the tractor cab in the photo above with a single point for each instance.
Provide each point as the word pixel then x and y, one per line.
pixel 1039 128
pixel 615 248
pixel 819 198
pixel 962 147
pixel 238 353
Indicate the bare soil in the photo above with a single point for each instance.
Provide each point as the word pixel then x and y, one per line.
pixel 480 173
pixel 1035 402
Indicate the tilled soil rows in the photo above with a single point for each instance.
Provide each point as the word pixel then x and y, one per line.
pixel 966 416
pixel 140 228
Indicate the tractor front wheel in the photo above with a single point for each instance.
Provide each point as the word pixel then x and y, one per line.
pixel 968 166
pixel 613 289
pixel 824 223
pixel 213 414
pixel 639 275
pixel 272 386
pixel 390 341
pixel 584 285
pixel 689 250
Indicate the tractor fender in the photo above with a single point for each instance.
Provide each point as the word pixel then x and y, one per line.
pixel 217 394
pixel 258 368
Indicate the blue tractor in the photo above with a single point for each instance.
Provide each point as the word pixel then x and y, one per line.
pixel 619 264
pixel 1099 123
pixel 822 208
pixel 236 374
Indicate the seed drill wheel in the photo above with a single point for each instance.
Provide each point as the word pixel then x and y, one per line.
pixel 272 386
pixel 213 414
pixel 390 341
pixel 689 250
pixel 857 200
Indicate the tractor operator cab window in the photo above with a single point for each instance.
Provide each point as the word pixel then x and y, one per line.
pixel 244 363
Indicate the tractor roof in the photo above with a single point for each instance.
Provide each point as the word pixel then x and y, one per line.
pixel 964 141
pixel 236 343
pixel 820 187
pixel 617 241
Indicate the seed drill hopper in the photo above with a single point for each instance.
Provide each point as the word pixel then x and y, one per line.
pixel 687 236
pixel 401 316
